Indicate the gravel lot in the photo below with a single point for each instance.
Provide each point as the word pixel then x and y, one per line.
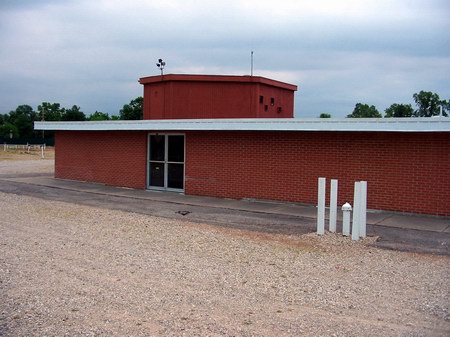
pixel 75 270
pixel 20 162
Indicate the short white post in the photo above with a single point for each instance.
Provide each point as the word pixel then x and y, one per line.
pixel 346 210
pixel 321 207
pixel 333 205
pixel 363 209
pixel 356 211
pixel 42 152
pixel 4 147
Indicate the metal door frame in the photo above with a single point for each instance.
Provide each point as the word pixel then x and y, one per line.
pixel 166 161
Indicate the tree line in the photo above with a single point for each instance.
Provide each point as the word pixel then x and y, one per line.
pixel 19 123
pixel 428 104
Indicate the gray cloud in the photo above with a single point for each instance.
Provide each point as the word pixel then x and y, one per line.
pixel 25 4
pixel 91 53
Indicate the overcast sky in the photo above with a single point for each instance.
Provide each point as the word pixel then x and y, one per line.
pixel 91 53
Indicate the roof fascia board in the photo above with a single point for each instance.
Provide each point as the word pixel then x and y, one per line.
pixel 271 124
pixel 216 78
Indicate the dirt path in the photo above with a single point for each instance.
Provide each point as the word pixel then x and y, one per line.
pixel 76 270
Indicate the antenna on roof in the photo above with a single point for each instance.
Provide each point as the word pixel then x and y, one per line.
pixel 161 65
pixel 251 63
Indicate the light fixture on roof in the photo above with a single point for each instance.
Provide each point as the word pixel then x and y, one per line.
pixel 161 65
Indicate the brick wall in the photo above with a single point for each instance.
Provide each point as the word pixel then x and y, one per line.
pixel 406 172
pixel 112 158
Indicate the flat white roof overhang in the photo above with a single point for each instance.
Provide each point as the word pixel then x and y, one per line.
pixel 437 124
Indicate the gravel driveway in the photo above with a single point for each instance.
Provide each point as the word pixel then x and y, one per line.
pixel 77 270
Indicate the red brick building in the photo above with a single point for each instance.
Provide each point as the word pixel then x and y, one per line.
pixel 216 96
pixel 234 137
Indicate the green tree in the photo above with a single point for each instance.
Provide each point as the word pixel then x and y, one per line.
pixel 73 114
pixel 133 110
pixel 6 129
pixel 364 111
pixel 115 118
pixel 3 118
pixel 324 115
pixel 23 118
pixel 98 116
pixel 428 104
pixel 399 110
pixel 50 111
pixel 446 107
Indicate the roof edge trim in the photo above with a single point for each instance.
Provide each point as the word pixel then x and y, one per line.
pixel 257 124
pixel 216 78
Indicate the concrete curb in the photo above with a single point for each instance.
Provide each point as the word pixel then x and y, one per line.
pixel 387 219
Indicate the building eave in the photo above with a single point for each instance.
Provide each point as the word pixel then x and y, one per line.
pixel 217 78
pixel 440 124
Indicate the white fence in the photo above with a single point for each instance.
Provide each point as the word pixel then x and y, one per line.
pixel 25 147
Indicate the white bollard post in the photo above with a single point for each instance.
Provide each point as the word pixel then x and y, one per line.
pixel 321 207
pixel 333 205
pixel 4 147
pixel 42 152
pixel 363 209
pixel 356 211
pixel 346 210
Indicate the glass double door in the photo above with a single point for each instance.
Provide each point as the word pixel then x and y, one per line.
pixel 166 162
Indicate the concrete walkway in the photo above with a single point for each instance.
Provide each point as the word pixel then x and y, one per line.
pixel 376 218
